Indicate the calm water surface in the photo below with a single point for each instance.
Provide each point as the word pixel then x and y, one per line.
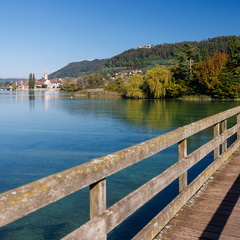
pixel 46 132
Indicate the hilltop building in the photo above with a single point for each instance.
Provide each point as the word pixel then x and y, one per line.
pixel 147 46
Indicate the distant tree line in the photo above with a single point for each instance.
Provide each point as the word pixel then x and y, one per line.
pixel 92 81
pixel 4 84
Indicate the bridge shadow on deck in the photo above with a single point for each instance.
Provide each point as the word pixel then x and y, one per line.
pixel 224 211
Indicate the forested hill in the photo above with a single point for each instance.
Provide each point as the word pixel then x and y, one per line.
pixel 76 69
pixel 142 58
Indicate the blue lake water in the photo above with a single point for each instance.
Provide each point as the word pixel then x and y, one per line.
pixel 44 132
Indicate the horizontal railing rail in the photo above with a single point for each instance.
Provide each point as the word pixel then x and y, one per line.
pixel 26 199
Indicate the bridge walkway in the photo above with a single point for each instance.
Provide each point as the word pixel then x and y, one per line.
pixel 214 212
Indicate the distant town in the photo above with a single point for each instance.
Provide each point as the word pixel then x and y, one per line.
pixel 43 83
pixel 55 84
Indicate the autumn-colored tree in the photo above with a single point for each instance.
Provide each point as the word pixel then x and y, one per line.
pixel 209 71
pixel 157 80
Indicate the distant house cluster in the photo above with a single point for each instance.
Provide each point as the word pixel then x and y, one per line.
pixel 126 73
pixel 46 83
pixel 147 46
pixel 43 83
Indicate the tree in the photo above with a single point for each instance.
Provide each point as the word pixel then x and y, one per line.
pixel 156 81
pixel 176 90
pixel 234 55
pixel 14 86
pixel 189 57
pixel 227 88
pixel 183 74
pixel 69 85
pixel 95 80
pixel 31 81
pixel 209 71
pixel 133 87
pixel 82 82
pixel 233 45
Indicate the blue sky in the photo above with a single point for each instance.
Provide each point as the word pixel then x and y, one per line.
pixel 46 35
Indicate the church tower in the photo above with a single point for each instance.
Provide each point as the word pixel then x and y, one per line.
pixel 45 76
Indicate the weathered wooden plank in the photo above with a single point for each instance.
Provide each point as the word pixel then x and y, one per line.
pixel 98 200
pixel 238 120
pixel 207 209
pixel 182 153
pixel 203 217
pixel 224 128
pixel 201 225
pixel 216 132
pixel 191 233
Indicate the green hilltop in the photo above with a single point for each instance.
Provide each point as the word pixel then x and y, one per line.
pixel 76 69
pixel 141 58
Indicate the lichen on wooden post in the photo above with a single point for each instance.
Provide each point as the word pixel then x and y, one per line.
pixel 216 132
pixel 238 121
pixel 98 200
pixel 182 153
pixel 224 128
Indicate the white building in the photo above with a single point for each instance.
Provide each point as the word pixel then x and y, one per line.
pixel 45 76
pixel 148 46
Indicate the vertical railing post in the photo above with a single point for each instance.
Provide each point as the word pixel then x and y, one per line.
pixel 216 132
pixel 224 128
pixel 182 153
pixel 238 121
pixel 98 199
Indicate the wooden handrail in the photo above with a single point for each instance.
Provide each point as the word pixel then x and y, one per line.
pixel 21 201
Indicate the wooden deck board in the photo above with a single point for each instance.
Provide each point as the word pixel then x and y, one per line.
pixel 214 212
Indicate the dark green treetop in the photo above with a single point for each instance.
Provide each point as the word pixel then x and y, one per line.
pixel 31 81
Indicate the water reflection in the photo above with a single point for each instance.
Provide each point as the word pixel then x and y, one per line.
pixel 153 114
pixel 31 96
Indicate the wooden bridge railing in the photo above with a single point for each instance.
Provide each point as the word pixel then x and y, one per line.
pixel 21 201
